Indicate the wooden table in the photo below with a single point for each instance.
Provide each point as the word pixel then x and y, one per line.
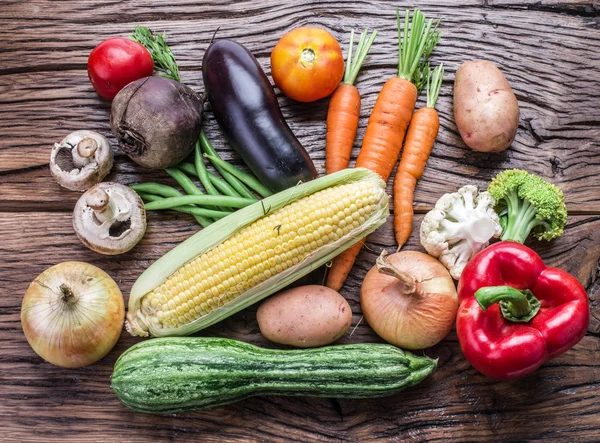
pixel 549 51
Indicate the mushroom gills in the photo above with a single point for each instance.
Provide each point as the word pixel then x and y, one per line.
pixel 110 218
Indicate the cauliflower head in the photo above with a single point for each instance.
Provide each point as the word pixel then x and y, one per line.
pixel 460 225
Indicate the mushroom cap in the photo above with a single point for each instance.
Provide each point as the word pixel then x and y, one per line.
pixel 110 233
pixel 75 178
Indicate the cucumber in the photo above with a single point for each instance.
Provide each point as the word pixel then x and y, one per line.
pixel 169 375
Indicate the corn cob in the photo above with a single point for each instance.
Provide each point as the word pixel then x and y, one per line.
pixel 254 252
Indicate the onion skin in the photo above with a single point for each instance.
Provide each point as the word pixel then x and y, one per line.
pixel 91 328
pixel 410 320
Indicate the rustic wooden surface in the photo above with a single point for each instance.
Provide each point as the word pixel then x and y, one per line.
pixel 549 52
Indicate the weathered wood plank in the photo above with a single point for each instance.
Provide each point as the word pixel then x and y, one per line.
pixel 546 48
pixel 558 136
pixel 455 401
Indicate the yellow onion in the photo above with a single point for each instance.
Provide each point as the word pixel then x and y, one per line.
pixel 72 314
pixel 409 299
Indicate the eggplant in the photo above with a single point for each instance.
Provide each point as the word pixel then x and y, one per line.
pixel 246 108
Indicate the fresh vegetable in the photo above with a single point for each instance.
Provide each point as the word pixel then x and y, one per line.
pixel 109 218
pixel 162 56
pixel 344 108
pixel 390 117
pixel 255 252
pixel 169 375
pixel 460 225
pixel 306 317
pixel 515 313
pixel 244 177
pixel 486 110
pixel 72 314
pixel 203 200
pixel 156 121
pixel 421 135
pixel 80 160
pixel 307 64
pixel 150 192
pixel 252 122
pixel 409 299
pixel 528 204
pixel 115 63
pixel 235 183
pixel 218 182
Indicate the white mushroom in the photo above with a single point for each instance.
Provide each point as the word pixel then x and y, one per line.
pixel 110 218
pixel 80 160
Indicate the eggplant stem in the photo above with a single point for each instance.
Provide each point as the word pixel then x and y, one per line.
pixel 408 282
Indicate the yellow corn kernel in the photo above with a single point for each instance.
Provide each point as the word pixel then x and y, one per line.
pixel 265 248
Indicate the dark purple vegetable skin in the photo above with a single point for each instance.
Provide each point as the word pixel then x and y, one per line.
pixel 246 108
pixel 156 121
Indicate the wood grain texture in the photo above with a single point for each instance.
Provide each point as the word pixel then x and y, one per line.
pixel 547 51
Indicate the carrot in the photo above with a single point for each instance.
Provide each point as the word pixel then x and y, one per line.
pixel 344 109
pixel 391 115
pixel 422 132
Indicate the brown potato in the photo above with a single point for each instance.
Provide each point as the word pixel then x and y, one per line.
pixel 486 110
pixel 306 317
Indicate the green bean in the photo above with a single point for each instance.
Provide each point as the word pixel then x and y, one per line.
pixel 204 200
pixel 224 187
pixel 248 179
pixel 202 172
pixel 184 181
pixel 238 185
pixel 188 168
pixel 203 221
pixel 156 189
pixel 221 184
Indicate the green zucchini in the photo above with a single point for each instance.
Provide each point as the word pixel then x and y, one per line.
pixel 168 375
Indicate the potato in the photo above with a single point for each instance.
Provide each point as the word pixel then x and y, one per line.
pixel 306 317
pixel 486 110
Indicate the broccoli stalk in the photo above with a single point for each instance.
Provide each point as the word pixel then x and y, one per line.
pixel 528 204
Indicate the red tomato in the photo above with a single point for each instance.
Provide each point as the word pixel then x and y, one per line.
pixel 307 64
pixel 115 63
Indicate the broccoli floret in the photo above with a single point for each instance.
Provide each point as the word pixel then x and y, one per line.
pixel 460 225
pixel 528 204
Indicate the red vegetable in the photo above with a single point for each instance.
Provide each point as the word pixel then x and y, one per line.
pixel 515 313
pixel 115 63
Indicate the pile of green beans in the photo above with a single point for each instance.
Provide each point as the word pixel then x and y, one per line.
pixel 222 196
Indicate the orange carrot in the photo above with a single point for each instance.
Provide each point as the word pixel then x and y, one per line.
pixel 344 109
pixel 387 125
pixel 422 132
pixel 391 115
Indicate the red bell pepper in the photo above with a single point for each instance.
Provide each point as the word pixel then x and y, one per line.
pixel 515 313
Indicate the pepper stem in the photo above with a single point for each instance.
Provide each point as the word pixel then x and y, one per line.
pixel 515 305
pixel 407 281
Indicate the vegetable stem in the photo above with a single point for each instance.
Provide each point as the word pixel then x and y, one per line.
pixel 407 281
pixel 415 45
pixel 434 84
pixel 156 44
pixel 353 66
pixel 516 305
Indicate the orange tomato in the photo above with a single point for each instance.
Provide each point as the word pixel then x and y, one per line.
pixel 307 64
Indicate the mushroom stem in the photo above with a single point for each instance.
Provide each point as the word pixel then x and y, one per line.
pixel 104 208
pixel 84 151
